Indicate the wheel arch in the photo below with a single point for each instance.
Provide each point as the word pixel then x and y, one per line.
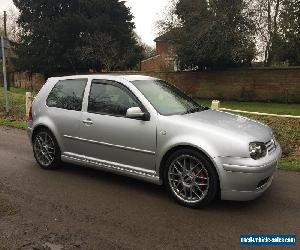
pixel 178 147
pixel 43 126
pixel 38 128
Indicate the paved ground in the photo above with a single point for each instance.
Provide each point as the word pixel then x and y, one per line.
pixel 80 208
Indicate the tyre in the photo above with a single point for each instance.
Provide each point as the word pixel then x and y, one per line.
pixel 46 150
pixel 190 178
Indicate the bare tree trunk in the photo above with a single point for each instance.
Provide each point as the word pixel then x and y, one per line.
pixel 269 20
pixel 276 16
pixel 274 31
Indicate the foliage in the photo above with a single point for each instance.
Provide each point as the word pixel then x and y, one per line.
pixel 265 15
pixel 169 20
pixel 16 98
pixel 234 33
pixel 277 25
pixel 289 45
pixel 214 34
pixel 262 107
pixel 75 35
pixel 147 50
pixel 13 123
pixel 290 164
pixel 13 31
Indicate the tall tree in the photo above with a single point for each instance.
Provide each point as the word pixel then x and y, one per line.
pixel 266 14
pixel 169 19
pixel 147 50
pixel 75 35
pixel 289 46
pixel 214 34
pixel 13 30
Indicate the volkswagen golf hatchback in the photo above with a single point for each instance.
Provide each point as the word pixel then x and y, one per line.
pixel 145 128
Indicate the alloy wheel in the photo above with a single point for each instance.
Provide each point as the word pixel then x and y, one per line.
pixel 44 149
pixel 188 179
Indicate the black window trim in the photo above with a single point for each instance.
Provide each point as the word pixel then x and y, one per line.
pixel 126 90
pixel 69 79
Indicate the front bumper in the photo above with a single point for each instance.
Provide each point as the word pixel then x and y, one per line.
pixel 244 178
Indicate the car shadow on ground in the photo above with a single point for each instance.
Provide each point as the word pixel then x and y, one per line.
pixel 128 183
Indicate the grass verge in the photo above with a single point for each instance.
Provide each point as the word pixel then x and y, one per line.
pixel 16 101
pixel 271 108
pixel 16 116
pixel 21 124
pixel 290 164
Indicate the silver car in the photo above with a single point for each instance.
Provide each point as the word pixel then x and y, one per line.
pixel 145 128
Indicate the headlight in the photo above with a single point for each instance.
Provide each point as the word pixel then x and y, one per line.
pixel 257 150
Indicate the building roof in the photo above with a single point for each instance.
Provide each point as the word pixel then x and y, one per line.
pixel 171 35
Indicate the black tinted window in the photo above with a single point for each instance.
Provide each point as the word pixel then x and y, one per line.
pixel 106 98
pixel 67 94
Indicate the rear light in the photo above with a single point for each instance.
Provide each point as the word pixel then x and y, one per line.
pixel 30 115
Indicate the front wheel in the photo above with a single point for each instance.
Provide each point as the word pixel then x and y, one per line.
pixel 191 179
pixel 46 150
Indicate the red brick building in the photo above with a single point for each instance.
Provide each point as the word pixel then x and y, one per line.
pixel 165 60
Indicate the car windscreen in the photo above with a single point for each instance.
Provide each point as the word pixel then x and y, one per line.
pixel 165 98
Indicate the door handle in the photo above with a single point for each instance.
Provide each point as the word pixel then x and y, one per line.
pixel 87 122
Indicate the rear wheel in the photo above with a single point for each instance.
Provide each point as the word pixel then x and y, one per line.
pixel 46 150
pixel 190 178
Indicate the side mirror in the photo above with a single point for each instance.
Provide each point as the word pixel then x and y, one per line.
pixel 136 113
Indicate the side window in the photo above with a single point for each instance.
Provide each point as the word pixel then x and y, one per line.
pixel 67 94
pixel 108 98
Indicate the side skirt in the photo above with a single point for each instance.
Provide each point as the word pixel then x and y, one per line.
pixel 113 167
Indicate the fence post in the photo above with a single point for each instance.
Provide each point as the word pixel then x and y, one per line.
pixel 28 103
pixel 215 104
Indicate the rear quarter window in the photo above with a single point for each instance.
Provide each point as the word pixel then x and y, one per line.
pixel 67 94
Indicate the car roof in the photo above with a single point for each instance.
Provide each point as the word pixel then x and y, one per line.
pixel 116 77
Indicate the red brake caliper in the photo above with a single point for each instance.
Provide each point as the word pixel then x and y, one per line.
pixel 202 175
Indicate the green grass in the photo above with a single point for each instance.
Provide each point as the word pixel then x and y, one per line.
pixel 13 123
pixel 16 116
pixel 16 97
pixel 290 164
pixel 273 108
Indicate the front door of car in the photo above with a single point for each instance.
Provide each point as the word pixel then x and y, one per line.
pixel 109 135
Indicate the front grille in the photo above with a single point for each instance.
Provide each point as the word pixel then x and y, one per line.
pixel 262 182
pixel 271 146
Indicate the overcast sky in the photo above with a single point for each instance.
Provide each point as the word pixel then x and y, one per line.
pixel 146 13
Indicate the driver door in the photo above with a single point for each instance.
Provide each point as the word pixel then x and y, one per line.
pixel 109 135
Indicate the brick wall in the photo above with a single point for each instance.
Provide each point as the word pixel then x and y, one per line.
pixel 161 47
pixel 151 64
pixel 278 85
